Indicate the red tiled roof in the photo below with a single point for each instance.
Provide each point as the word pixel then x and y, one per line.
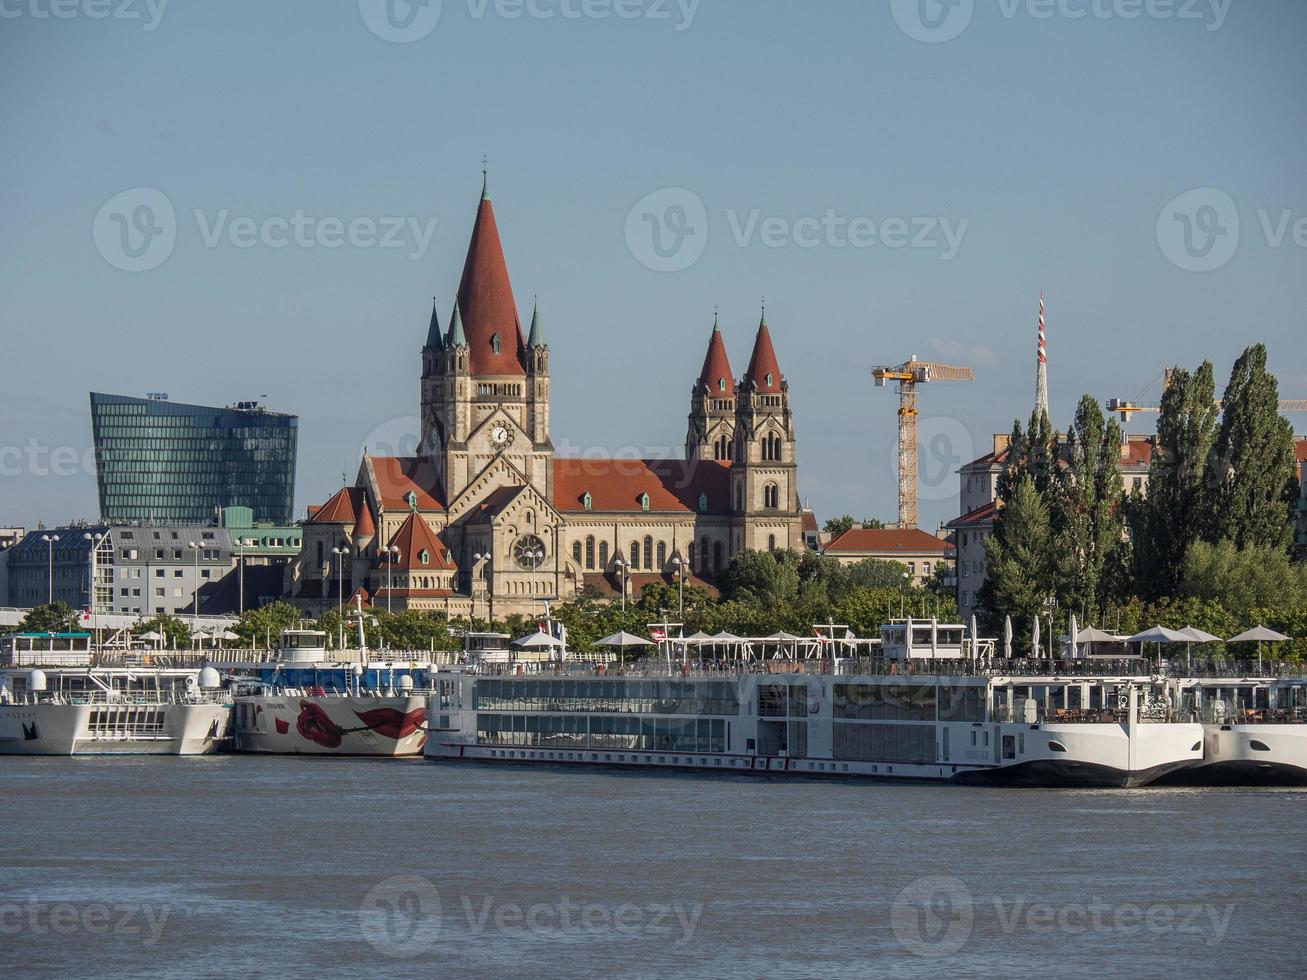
pixel 365 526
pixel 342 508
pixel 616 484
pixel 383 594
pixel 763 362
pixel 397 475
pixel 485 299
pixel 413 537
pixel 608 585
pixel 809 522
pixel 886 540
pixel 716 366
pixel 1300 449
pixel 981 515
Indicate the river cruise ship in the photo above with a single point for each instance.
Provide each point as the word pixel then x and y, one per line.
pixel 58 698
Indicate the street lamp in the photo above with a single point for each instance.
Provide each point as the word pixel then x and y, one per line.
pixel 479 558
pixel 195 608
pixel 682 569
pixel 903 592
pixel 392 556
pixel 95 540
pixel 49 540
pixel 340 593
pixel 620 564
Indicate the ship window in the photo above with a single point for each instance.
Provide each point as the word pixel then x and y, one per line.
pixel 1257 746
pixel 1056 746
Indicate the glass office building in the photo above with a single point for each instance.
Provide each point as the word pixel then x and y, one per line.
pixel 166 462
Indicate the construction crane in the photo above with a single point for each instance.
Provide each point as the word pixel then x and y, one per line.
pixel 1125 409
pixel 909 375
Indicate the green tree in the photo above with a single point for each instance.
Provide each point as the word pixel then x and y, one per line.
pixel 1020 558
pixel 845 522
pixel 1087 511
pixel 1243 579
pixel 1032 453
pixel 1252 473
pixel 50 617
pixel 1177 508
pixel 263 626
pixel 874 573
pixel 175 632
pixel 763 578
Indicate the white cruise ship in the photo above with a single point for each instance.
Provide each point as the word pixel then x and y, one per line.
pixel 56 698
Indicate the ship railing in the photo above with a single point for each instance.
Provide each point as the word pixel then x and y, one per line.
pixel 1239 715
pixel 115 698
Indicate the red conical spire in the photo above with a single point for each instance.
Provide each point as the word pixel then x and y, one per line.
pixel 485 299
pixel 716 373
pixel 763 371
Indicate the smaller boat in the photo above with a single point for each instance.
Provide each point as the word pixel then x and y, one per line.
pixel 307 701
pixel 58 698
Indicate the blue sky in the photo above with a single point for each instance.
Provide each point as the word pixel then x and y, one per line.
pixel 1052 148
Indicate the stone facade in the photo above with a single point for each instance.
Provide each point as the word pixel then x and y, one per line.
pixel 505 524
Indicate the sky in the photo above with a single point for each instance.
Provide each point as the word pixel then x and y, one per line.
pixel 247 199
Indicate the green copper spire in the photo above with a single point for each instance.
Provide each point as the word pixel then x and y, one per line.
pixel 456 336
pixel 536 337
pixel 435 341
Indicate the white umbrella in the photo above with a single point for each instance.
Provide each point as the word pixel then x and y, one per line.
pixel 1034 638
pixel 1007 637
pixel 150 635
pixel 623 639
pixel 1074 636
pixel 1158 634
pixel 1259 635
pixel 1197 636
pixel 1091 635
pixel 537 640
pixel 782 637
pixel 725 636
pixel 698 636
pixel 974 636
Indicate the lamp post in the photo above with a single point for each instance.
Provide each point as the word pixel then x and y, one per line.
pixel 681 569
pixel 195 607
pixel 95 540
pixel 392 556
pixel 620 563
pixel 240 574
pixel 479 558
pixel 49 540
pixel 340 594
pixel 904 592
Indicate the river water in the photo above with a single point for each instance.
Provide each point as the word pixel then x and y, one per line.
pixel 278 867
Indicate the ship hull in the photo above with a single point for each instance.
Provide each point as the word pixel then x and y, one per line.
pixel 112 729
pixel 330 725
pixel 1249 755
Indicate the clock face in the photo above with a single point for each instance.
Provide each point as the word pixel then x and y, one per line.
pixel 499 435
pixel 529 552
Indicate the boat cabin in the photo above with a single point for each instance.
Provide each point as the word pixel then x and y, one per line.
pixel 45 650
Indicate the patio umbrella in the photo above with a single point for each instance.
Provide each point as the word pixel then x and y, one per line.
pixel 1007 637
pixel 622 640
pixel 538 640
pixel 1091 635
pixel 698 636
pixel 1259 635
pixel 1158 635
pixel 1034 638
pixel 1074 636
pixel 974 635
pixel 1197 636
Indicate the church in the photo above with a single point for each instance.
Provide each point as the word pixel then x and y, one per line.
pixel 487 521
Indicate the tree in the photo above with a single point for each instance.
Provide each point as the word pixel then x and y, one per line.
pixel 845 522
pixel 1087 512
pixel 1243 579
pixel 1177 509
pixel 874 573
pixel 176 634
pixel 263 626
pixel 1032 453
pixel 1019 554
pixel 1252 469
pixel 50 617
pixel 764 578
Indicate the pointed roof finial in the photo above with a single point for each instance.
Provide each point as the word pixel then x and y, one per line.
pixel 536 338
pixel 714 317
pixel 457 338
pixel 485 181
pixel 763 321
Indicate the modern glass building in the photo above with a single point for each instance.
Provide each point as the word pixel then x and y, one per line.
pixel 166 462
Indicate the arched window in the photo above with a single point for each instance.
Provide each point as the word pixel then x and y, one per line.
pixel 635 555
pixel 586 500
pixel 771 496
pixel 690 555
pixel 576 552
pixel 703 503
pixel 494 344
pixel 424 557
pixel 721 384
pixel 320 553
pixel 590 552
pixel 771 542
pixel 716 556
pixel 603 554
pixel 739 497
pixel 703 552
pixel 648 552
pixel 768 373
pixel 644 501
pixel 662 555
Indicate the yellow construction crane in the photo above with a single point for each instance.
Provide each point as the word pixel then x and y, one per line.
pixel 1125 409
pixel 909 375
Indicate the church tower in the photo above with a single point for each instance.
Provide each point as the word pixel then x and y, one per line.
pixel 711 432
pixel 764 497
pixel 485 388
